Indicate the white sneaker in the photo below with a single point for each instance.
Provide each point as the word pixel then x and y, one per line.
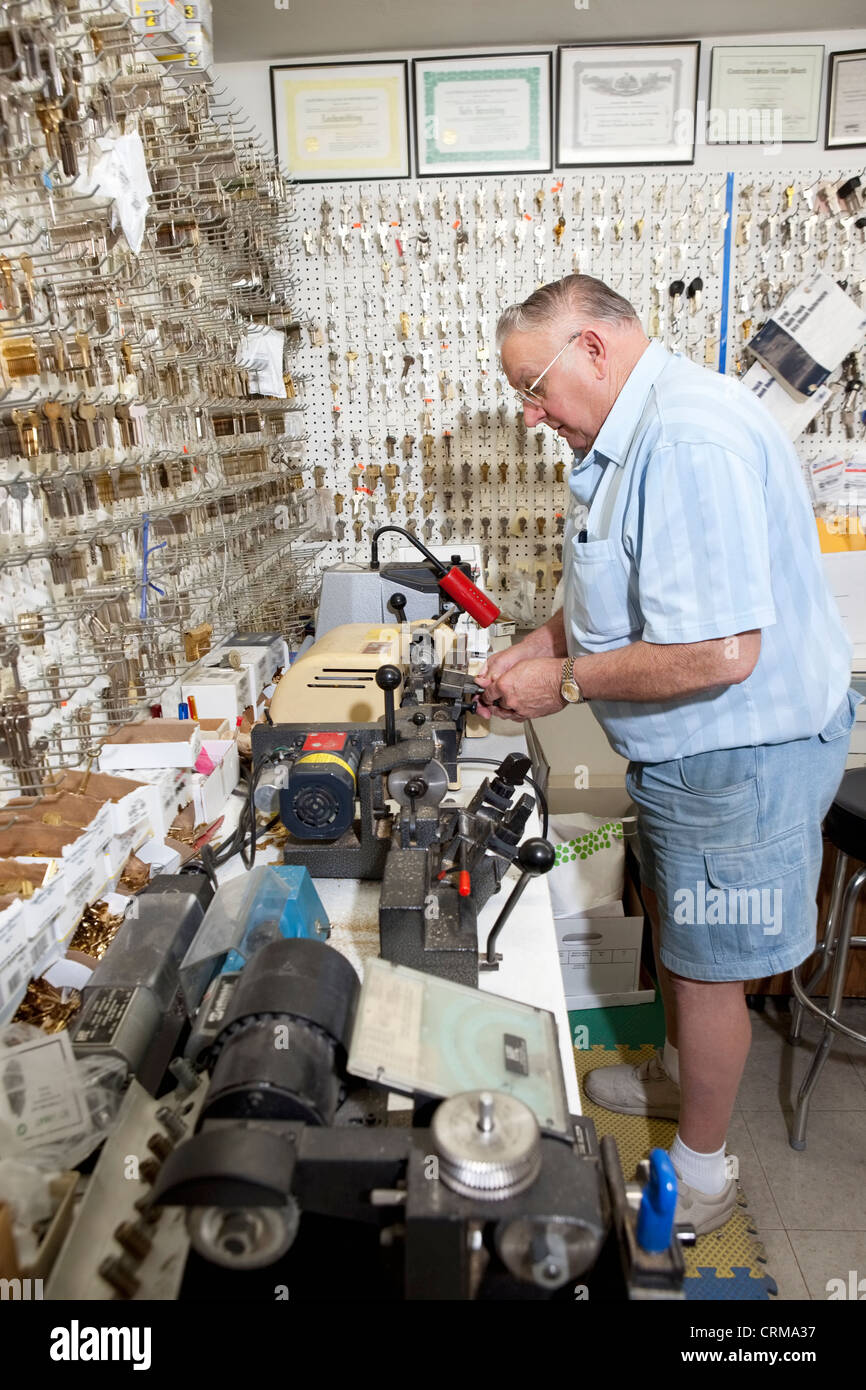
pixel 703 1212
pixel 645 1089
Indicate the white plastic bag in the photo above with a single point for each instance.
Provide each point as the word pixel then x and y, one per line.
pixel 589 869
pixel 260 351
pixel 54 1108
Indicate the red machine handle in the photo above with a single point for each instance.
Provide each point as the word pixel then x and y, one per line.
pixel 469 596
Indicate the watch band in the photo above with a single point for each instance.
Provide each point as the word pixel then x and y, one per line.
pixel 569 687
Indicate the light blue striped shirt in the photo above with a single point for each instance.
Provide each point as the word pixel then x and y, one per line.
pixel 700 526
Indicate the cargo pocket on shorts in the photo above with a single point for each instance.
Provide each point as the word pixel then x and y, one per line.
pixel 755 900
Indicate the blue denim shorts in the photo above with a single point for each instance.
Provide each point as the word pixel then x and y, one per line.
pixel 730 842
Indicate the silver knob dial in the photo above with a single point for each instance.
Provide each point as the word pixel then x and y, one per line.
pixel 488 1144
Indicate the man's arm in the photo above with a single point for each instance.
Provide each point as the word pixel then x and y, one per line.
pixel 641 672
pixel 646 671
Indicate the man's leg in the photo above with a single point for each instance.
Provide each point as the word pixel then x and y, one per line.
pixel 709 1025
pixel 665 979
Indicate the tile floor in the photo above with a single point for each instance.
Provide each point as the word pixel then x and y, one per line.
pixel 809 1207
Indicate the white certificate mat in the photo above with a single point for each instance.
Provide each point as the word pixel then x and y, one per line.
pixel 780 82
pixel 627 104
pixel 846 114
pixel 341 120
pixel 483 115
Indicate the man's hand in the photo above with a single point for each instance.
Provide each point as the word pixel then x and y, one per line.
pixel 498 663
pixel 525 690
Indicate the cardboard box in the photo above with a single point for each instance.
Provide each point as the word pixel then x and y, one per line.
pixel 152 743
pixel 128 800
pixel 219 730
pixel 599 955
pixel 64 810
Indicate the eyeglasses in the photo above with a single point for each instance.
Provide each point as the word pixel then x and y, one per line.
pixel 528 395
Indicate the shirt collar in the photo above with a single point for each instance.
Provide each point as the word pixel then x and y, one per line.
pixel 614 439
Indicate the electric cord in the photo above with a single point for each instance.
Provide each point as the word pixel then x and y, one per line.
pixel 540 798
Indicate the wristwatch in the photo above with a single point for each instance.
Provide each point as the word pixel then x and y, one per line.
pixel 568 686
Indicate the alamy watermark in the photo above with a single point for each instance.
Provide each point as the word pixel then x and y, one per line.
pixel 853 1288
pixel 729 125
pixel 723 907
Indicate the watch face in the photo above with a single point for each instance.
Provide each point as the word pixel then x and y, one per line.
pixel 571 692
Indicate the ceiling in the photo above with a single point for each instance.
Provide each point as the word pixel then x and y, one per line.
pixel 256 29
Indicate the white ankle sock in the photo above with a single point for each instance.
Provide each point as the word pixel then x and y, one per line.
pixel 706 1172
pixel 671 1062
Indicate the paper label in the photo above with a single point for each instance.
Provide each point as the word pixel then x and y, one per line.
pixel 40 1095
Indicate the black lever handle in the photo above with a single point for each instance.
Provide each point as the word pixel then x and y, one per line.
pixel 535 856
pixel 387 679
pixel 397 605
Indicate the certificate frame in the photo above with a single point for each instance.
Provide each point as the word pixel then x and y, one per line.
pixel 631 71
pixel 839 60
pixel 432 77
pixel 804 90
pixel 384 85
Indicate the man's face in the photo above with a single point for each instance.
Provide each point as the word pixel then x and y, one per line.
pixel 572 394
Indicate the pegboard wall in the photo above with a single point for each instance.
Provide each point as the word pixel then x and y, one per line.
pixel 410 417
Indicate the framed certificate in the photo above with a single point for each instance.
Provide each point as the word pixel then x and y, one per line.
pixel 627 104
pixel 336 121
pixel 846 100
pixel 484 115
pixel 765 95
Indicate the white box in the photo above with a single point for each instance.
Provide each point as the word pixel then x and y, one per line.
pixel 599 955
pixel 272 642
pixel 208 796
pixel 230 768
pixel 218 693
pixel 210 665
pixel 47 903
pixel 151 743
pixel 120 847
pixel 160 23
pixel 224 756
pixel 16 958
pixel 170 789
pixel 160 856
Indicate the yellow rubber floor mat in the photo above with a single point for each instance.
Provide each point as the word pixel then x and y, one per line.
pixel 729 1263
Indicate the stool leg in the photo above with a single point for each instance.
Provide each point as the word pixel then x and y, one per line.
pixel 837 985
pixel 825 946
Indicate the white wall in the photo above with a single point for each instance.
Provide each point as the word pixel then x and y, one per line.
pixel 573 736
pixel 249 85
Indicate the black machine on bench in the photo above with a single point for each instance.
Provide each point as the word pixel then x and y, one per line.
pixel 438 863
pixel 495 1191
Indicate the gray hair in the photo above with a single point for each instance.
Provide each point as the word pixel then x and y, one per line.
pixel 572 294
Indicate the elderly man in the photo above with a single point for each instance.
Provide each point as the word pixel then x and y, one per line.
pixel 698 624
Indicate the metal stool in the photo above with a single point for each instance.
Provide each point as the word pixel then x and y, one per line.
pixel 845 827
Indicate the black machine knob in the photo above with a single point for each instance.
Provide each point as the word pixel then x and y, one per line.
pixel 397 605
pixel 536 856
pixel 388 677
